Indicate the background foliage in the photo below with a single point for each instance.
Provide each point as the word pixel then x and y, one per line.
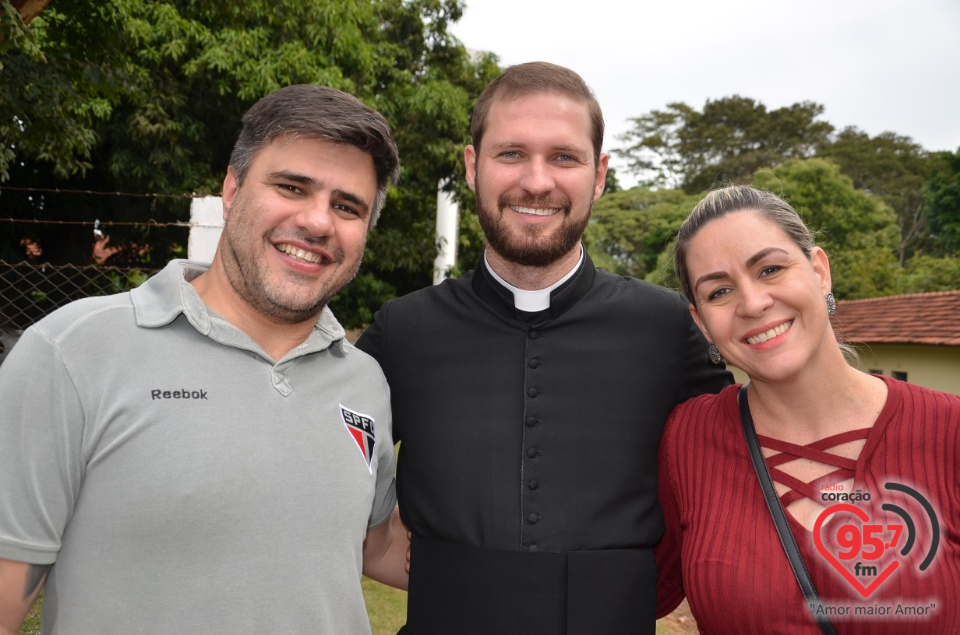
pixel 886 210
pixel 144 97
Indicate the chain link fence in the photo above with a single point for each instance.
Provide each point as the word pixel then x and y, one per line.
pixel 30 291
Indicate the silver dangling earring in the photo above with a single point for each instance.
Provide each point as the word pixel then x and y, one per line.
pixel 714 353
pixel 831 303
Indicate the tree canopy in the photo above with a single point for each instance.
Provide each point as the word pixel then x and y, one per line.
pixel 943 199
pixel 858 230
pixel 892 167
pixel 145 97
pixel 733 137
pixel 632 232
pixel 739 140
pixel 631 229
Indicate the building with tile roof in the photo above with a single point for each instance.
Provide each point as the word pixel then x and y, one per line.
pixel 912 337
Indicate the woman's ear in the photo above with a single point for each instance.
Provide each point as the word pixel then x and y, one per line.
pixel 821 267
pixel 696 318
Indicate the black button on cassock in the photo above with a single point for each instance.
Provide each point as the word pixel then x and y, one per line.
pixel 532 452
pixel 534 334
pixel 532 421
pixel 532 392
pixel 533 484
pixel 533 518
pixel 533 549
pixel 534 363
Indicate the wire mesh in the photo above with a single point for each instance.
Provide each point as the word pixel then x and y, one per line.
pixel 29 291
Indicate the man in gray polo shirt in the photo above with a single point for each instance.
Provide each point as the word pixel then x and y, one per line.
pixel 207 453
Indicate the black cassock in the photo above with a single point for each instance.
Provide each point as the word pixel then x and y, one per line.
pixel 527 469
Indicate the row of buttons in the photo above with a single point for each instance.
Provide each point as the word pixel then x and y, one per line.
pixel 533 363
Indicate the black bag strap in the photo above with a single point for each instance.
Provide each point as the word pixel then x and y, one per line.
pixel 780 518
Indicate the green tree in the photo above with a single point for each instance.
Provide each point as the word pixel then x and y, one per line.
pixel 924 274
pixel 632 232
pixel 146 96
pixel 889 166
pixel 611 183
pixel 728 141
pixel 942 193
pixel 15 15
pixel 858 231
pixel 629 230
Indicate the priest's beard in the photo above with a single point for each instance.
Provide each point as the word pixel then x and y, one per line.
pixel 531 245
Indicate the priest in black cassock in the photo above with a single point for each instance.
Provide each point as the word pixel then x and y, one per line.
pixel 529 395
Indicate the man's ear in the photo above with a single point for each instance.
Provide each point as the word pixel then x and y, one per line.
pixel 470 163
pixel 601 181
pixel 230 188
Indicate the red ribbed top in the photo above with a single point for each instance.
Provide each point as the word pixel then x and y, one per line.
pixel 722 551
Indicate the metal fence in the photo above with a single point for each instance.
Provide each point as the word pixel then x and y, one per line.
pixel 30 291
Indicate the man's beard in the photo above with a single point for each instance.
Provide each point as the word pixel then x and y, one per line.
pixel 531 246
pixel 280 300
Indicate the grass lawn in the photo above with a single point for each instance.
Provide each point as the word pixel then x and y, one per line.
pixel 31 626
pixel 387 608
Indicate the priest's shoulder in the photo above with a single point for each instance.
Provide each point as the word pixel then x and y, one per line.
pixel 630 287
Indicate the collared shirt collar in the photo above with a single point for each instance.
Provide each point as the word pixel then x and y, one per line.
pixel 168 294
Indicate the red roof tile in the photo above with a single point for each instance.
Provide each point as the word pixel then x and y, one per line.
pixel 918 318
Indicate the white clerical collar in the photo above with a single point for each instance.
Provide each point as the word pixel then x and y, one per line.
pixel 532 301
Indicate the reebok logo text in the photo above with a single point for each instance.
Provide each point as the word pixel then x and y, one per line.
pixel 178 394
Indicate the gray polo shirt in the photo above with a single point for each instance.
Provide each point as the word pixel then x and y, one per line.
pixel 179 479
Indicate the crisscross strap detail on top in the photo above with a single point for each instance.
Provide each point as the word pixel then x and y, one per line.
pixel 816 451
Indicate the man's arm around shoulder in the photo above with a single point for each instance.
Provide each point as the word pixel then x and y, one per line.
pixel 20 584
pixel 386 553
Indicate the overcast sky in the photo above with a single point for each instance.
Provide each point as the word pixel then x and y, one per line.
pixel 879 65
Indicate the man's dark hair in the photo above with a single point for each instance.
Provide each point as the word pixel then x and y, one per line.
pixel 319 112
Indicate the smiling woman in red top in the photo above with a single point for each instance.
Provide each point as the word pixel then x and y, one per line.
pixel 760 290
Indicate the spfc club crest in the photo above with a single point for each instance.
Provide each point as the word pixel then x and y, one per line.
pixel 360 427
